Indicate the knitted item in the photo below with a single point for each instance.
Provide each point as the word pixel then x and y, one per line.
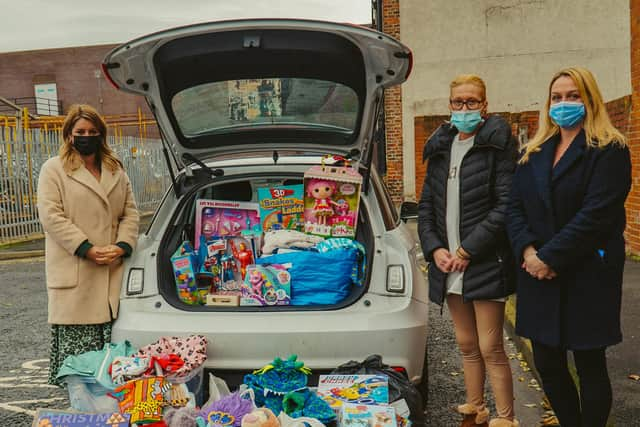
pixel 282 385
pixel 229 410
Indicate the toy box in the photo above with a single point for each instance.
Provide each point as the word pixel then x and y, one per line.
pixel 282 208
pixel 57 418
pixel 224 218
pixel 266 285
pixel 184 263
pixel 331 200
pixel 337 390
pixel 353 415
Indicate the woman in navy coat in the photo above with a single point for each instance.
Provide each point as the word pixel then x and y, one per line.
pixel 566 220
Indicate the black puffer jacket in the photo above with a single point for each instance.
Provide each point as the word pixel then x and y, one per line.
pixel 485 180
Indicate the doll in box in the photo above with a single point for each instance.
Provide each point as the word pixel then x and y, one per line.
pixel 322 190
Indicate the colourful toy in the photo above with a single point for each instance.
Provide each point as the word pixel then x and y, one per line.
pixel 337 390
pixel 266 285
pixel 243 255
pixel 282 208
pixel 184 263
pixel 260 417
pixel 332 198
pixel 223 218
pixel 60 418
pixel 353 415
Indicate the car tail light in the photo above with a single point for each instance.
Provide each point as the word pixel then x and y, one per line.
pixel 135 282
pixel 395 279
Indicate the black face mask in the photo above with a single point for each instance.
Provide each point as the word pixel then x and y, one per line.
pixel 87 144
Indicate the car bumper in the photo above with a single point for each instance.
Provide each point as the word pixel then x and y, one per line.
pixel 394 327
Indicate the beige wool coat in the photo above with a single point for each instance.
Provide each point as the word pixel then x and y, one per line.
pixel 73 208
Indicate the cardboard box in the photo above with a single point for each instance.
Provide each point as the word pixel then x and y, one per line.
pixel 352 415
pixel 184 263
pixel 282 207
pixel 57 418
pixel 337 390
pixel 224 218
pixel 331 200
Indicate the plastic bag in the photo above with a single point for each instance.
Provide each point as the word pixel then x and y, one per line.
pixel 87 395
pixel 318 278
pixel 399 385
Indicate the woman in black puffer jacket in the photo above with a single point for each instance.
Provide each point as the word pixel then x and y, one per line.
pixel 461 225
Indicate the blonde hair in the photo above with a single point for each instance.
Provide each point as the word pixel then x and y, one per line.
pixel 597 125
pixel 469 79
pixel 71 159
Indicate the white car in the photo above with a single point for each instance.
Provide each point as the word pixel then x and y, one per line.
pixel 241 104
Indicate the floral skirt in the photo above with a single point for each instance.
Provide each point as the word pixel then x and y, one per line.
pixel 70 340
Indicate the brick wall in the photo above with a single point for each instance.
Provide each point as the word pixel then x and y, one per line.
pixel 633 202
pixel 525 124
pixel 393 110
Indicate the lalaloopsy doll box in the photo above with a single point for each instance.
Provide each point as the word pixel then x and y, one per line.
pixel 331 200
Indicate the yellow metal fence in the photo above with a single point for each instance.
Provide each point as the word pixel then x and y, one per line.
pixel 22 153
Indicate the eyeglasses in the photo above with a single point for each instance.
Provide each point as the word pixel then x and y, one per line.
pixel 472 104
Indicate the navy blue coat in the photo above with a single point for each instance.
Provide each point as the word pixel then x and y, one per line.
pixel 574 215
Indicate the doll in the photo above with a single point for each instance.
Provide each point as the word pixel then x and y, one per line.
pixel 322 190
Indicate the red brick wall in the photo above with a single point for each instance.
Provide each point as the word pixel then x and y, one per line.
pixel 73 71
pixel 633 202
pixel 393 110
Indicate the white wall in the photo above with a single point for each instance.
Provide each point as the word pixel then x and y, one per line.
pixel 514 45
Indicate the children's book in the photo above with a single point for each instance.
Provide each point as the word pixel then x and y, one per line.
pixel 58 418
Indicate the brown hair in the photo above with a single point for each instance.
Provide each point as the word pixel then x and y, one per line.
pixel 71 159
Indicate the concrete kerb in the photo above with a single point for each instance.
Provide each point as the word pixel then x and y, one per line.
pixel 522 344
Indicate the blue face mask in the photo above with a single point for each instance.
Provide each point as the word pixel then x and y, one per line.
pixel 466 121
pixel 567 114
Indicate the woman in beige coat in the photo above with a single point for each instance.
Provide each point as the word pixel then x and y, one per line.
pixel 90 221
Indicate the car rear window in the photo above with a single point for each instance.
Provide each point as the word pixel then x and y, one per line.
pixel 218 107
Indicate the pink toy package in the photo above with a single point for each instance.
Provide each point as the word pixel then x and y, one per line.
pixel 224 218
pixel 331 199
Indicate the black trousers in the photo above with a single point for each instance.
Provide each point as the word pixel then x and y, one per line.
pixel 591 407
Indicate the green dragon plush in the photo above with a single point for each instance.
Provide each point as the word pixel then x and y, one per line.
pixel 282 386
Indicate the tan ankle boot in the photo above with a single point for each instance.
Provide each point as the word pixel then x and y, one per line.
pixel 503 422
pixel 473 416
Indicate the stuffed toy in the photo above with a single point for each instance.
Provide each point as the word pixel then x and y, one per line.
pixel 282 386
pixel 229 410
pixel 261 417
pixel 181 417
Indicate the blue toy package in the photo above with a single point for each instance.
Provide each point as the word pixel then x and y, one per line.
pixel 318 278
pixel 282 207
pixel 185 266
